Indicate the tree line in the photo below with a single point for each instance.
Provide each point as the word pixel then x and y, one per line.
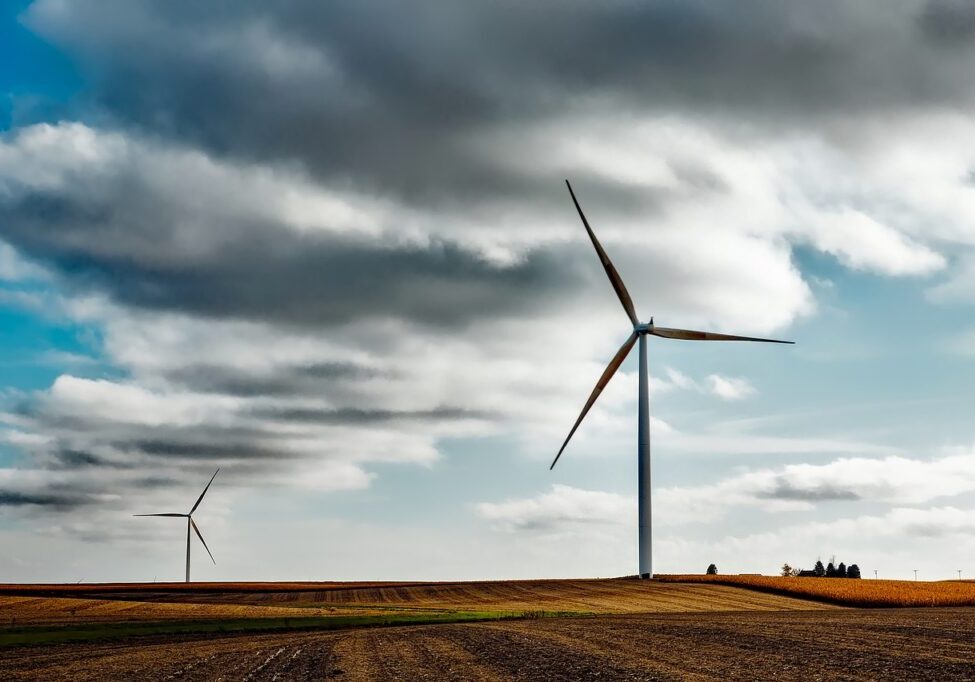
pixel 819 571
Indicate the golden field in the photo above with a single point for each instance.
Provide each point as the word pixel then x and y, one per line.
pixel 580 596
pixel 20 611
pixel 35 604
pixel 846 592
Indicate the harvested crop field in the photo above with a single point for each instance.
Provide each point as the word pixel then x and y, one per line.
pixel 56 610
pixel 562 596
pixel 844 591
pixel 838 644
pixel 587 596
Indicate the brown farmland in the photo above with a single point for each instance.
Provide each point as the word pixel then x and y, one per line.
pixel 57 610
pixel 235 600
pixel 725 627
pixel 837 644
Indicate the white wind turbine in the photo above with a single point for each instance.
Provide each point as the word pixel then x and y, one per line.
pixel 640 333
pixel 192 524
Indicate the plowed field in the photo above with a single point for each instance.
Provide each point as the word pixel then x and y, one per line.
pixel 839 644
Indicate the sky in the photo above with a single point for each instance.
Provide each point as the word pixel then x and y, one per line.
pixel 327 248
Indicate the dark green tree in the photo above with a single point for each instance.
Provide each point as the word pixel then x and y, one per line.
pixel 853 571
pixel 819 570
pixel 830 570
pixel 712 570
pixel 841 570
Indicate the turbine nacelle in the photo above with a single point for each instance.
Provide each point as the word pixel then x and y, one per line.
pixel 643 328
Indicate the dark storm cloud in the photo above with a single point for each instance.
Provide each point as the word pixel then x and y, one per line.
pixel 389 96
pixel 949 22
pixel 78 459
pixel 201 450
pixel 390 93
pixel 118 238
pixel 785 490
pixel 58 501
pixel 356 416
pixel 301 380
pixel 329 283
pixel 66 495
pixel 70 477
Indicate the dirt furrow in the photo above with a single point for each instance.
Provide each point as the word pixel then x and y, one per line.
pixel 843 644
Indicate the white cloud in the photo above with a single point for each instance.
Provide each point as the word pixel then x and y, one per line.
pixel 860 242
pixel 560 509
pixel 800 487
pixel 110 401
pixel 673 379
pixel 730 388
pixel 870 206
pixel 726 388
pixel 797 487
pixel 14 267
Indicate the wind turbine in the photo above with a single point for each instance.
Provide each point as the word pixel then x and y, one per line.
pixel 190 523
pixel 640 333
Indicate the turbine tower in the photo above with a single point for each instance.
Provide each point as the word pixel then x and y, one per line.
pixel 640 332
pixel 190 523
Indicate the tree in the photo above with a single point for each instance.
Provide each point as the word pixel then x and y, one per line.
pixel 819 570
pixel 853 571
pixel 788 571
pixel 830 570
pixel 712 570
pixel 841 570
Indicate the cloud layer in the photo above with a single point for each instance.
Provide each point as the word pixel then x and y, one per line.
pixel 315 239
pixel 798 487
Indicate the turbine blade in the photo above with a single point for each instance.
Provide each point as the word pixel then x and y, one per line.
pixel 200 535
pixel 204 492
pixel 182 516
pixel 690 335
pixel 614 277
pixel 608 373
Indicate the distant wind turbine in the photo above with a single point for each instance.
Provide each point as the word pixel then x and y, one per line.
pixel 190 523
pixel 640 333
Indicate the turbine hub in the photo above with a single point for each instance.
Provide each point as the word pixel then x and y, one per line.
pixel 643 327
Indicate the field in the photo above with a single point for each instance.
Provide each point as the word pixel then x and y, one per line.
pixel 73 605
pixel 679 627
pixel 841 644
pixel 58 610
pixel 43 614
pixel 862 593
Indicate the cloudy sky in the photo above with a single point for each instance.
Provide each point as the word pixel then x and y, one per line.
pixel 327 248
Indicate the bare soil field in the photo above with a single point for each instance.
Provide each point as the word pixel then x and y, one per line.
pixel 844 591
pixel 835 644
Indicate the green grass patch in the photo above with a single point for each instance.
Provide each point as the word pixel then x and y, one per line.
pixel 48 634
